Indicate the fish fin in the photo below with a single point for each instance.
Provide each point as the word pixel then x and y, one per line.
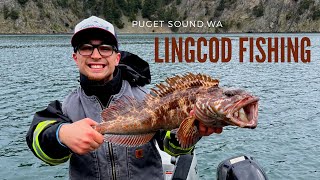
pixel 128 140
pixel 121 107
pixel 188 133
pixel 177 83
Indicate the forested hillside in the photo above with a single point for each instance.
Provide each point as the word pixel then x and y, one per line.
pixel 60 16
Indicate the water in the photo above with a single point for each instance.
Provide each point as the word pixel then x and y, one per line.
pixel 38 69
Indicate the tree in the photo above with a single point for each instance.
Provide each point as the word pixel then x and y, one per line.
pixel 148 9
pixel 22 2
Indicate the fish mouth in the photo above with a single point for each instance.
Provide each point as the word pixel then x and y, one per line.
pixel 245 113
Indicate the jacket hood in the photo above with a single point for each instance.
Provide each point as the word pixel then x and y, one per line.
pixel 134 69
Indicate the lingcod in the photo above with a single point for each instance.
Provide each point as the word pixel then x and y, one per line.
pixel 132 123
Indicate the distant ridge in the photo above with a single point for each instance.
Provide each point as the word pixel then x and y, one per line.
pixel 60 16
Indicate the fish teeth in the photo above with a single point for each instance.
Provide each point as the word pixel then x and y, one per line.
pixel 236 114
pixel 243 115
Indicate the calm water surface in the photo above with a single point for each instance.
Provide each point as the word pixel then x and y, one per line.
pixel 38 69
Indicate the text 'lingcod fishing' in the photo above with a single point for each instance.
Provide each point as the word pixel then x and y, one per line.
pixel 224 49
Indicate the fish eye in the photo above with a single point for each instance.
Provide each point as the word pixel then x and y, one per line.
pixel 212 89
pixel 232 92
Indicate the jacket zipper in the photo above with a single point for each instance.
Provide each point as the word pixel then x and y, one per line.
pixel 113 166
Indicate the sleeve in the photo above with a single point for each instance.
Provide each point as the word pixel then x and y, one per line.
pixel 42 137
pixel 168 143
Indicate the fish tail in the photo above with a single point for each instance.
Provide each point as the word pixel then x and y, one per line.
pixel 113 135
pixel 98 128
pixel 188 133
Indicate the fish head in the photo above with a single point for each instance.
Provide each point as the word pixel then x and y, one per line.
pixel 228 106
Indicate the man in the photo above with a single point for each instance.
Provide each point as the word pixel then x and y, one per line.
pixel 65 131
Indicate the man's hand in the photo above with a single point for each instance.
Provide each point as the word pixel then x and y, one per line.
pixel 204 130
pixel 80 137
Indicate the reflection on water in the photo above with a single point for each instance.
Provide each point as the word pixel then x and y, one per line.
pixel 38 69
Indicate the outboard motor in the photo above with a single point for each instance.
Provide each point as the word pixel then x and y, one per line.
pixel 240 168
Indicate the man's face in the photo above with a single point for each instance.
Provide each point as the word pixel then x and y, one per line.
pixel 95 66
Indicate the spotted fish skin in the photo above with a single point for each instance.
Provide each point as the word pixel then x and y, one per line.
pixel 131 123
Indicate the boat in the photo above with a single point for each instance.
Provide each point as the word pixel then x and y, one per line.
pixel 184 167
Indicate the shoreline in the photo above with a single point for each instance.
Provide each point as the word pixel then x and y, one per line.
pixel 151 33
